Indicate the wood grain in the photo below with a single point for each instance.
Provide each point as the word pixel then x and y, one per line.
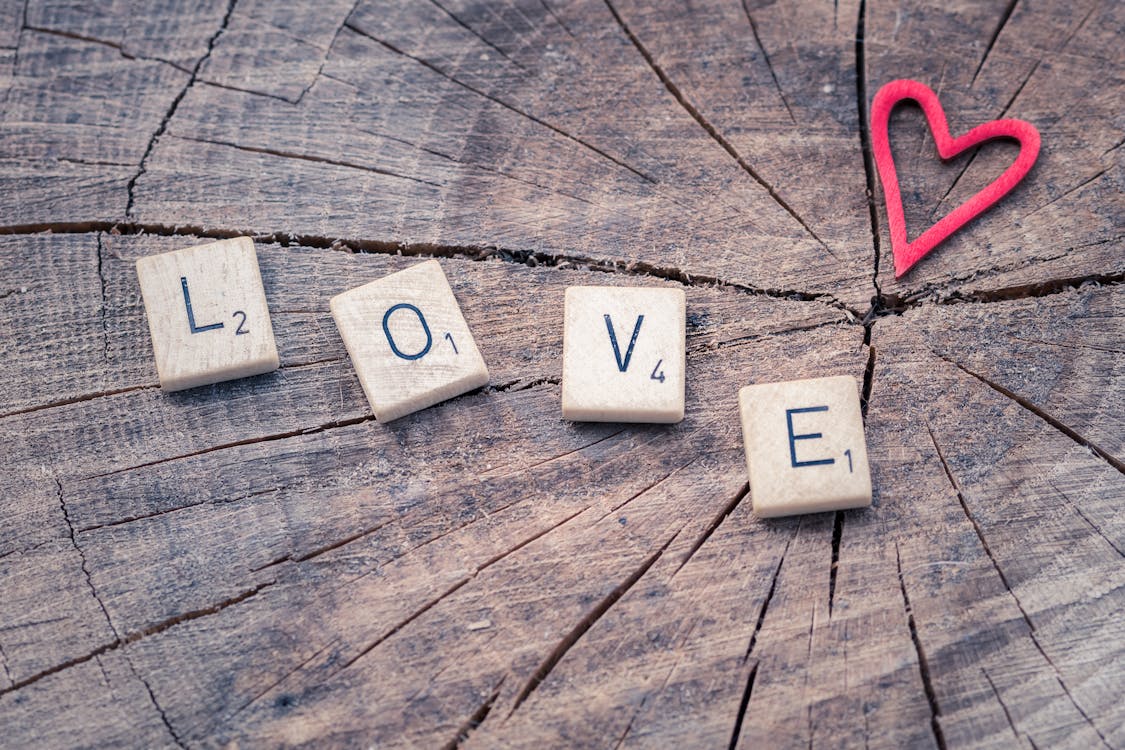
pixel 261 563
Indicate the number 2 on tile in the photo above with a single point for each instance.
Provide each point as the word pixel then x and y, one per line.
pixel 657 375
pixel 449 336
pixel 848 453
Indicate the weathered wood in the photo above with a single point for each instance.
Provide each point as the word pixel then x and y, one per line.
pixel 261 563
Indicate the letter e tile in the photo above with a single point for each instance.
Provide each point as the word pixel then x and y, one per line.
pixel 409 342
pixel 207 314
pixel 805 448
pixel 623 354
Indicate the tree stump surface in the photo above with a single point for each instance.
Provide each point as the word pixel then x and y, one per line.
pixel 260 563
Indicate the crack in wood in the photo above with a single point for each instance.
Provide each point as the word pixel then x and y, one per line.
pixel 476 718
pixel 316 76
pixel 23 551
pixel 131 638
pixel 721 516
pixel 130 188
pixel 327 52
pixel 1007 14
pixel 1112 148
pixel 1074 189
pixel 82 558
pixel 113 45
pixel 476 253
pixel 710 129
pixel 976 149
pixel 104 307
pixel 647 696
pixel 484 168
pixel 1007 713
pixel 585 624
pixel 834 564
pixel 457 20
pixel 896 304
pixel 865 148
pixel 78 399
pixel 559 21
pixel 868 381
pixel 652 486
pixel 237 443
pixel 1073 345
pixel 518 385
pixel 152 698
pixel 4 664
pixel 579 449
pixel 454 588
pixel 309 158
pixel 766 57
pixel 769 597
pixel 848 318
pixel 1101 453
pixel 502 103
pixel 265 691
pixel 743 704
pixel 976 528
pixel 1003 579
pixel 252 92
pixel 91 162
pixel 178 508
pixel 923 665
pixel 1097 530
pixel 838 520
pixel 1081 24
pixel 318 551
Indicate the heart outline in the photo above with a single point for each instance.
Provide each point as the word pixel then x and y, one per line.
pixel 906 253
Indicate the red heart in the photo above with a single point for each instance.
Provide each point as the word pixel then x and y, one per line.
pixel 908 253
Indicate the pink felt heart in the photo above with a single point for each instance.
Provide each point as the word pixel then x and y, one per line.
pixel 908 253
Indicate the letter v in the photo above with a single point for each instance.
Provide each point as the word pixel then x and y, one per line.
pixel 623 365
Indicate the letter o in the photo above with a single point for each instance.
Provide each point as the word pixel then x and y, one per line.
pixel 391 339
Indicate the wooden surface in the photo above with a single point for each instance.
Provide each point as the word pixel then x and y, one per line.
pixel 261 563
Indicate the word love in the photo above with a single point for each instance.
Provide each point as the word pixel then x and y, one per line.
pixel 907 253
pixel 624 360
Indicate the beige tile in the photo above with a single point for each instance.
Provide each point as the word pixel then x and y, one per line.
pixel 804 446
pixel 623 354
pixel 408 341
pixel 207 314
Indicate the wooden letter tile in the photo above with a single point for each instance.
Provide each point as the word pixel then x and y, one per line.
pixel 623 354
pixel 804 446
pixel 408 341
pixel 207 314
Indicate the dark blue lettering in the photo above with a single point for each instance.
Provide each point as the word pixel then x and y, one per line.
pixel 623 365
pixel 191 315
pixel 807 436
pixel 391 339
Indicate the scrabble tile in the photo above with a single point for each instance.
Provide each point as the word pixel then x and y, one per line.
pixel 408 341
pixel 623 354
pixel 207 314
pixel 804 446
